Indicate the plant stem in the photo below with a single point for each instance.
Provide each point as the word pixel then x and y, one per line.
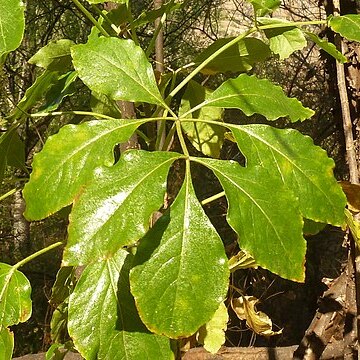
pixel 36 254
pixel 213 198
pixel 181 138
pixel 90 17
pixel 9 193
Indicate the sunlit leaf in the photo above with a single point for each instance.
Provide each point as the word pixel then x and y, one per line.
pixel 12 24
pixel 253 95
pixel 242 260
pixel 180 275
pixel 245 308
pixel 239 57
pixel 117 68
pixel 115 210
pixel 303 167
pixel 272 235
pixel 212 334
pixel 207 138
pixel 6 343
pixel 264 7
pixel 54 56
pixel 15 301
pixel 347 26
pixel 328 47
pixel 67 161
pixel 103 320
pixel 283 40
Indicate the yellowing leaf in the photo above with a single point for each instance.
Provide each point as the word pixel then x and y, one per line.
pixel 354 226
pixel 212 334
pixel 242 260
pixel 245 309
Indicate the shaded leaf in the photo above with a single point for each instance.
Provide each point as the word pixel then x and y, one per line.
pixel 12 24
pixel 56 352
pixel 354 226
pixel 59 322
pixel 328 47
pixel 312 227
pixel 117 68
pixel 102 1
pixel 272 235
pixel 103 320
pixel 67 161
pixel 207 138
pixel 239 57
pixel 253 95
pixel 180 275
pixel 242 260
pixel 63 286
pixel 6 343
pixel 102 104
pixel 15 301
pixel 264 7
pixel 347 26
pixel 245 308
pixel 283 40
pixel 35 93
pixel 63 88
pixel 303 167
pixel 115 210
pixel 212 334
pixel 54 56
pixel 352 192
pixel 12 151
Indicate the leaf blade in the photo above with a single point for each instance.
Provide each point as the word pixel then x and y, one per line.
pixel 117 68
pixel 347 26
pixel 253 95
pixel 116 208
pixel 67 160
pixel 171 261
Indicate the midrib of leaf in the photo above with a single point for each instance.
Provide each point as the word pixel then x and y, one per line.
pixel 88 143
pixel 2 294
pixel 250 197
pixel 283 155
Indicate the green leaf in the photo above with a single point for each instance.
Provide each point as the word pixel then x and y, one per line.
pixel 67 161
pixel 180 275
pixel 63 88
pixel 115 210
pixel 117 68
pixel 253 95
pixel 239 57
pixel 103 320
pixel 6 344
pixel 12 151
pixel 271 234
pixel 102 1
pixel 54 56
pixel 102 104
pixel 312 227
pixel 212 334
pixel 35 93
pixel 264 7
pixel 347 26
pixel 12 24
pixel 283 40
pixel 207 138
pixel 15 301
pixel 328 47
pixel 303 167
